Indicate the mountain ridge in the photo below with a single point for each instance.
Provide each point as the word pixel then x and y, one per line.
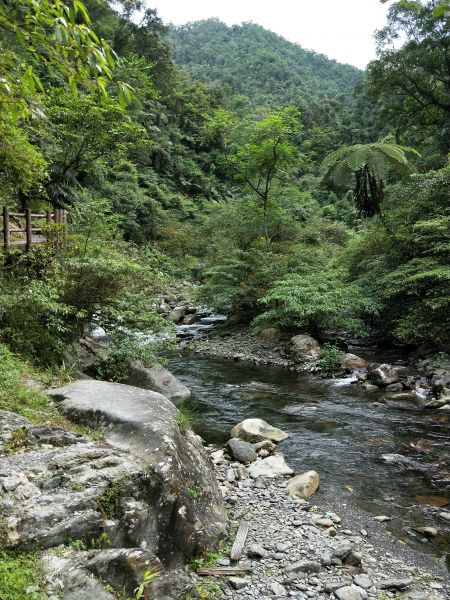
pixel 258 63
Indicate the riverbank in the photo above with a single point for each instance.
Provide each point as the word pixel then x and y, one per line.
pixel 301 550
pixel 244 345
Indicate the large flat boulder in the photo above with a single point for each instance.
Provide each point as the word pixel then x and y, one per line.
pixel 158 379
pixel 188 512
pixel 65 487
pixel 257 430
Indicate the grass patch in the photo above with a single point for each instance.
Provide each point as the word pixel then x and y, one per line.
pixel 185 416
pixel 17 573
pixel 18 396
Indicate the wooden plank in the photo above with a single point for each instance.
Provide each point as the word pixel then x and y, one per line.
pixel 238 547
pixel 221 571
pixel 6 243
pixel 28 229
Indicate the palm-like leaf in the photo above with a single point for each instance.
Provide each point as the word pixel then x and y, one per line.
pixel 365 167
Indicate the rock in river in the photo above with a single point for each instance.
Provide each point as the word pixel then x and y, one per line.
pixel 174 463
pixel 158 379
pixel 383 375
pixel 257 430
pixel 303 486
pixel 352 361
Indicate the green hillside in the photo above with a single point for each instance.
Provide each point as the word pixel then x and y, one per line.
pixel 258 63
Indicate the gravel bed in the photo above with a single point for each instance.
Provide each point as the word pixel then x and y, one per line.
pixel 298 550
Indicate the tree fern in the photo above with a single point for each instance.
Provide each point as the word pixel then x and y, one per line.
pixel 365 167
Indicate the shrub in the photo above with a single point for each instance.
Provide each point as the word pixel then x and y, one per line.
pixel 330 357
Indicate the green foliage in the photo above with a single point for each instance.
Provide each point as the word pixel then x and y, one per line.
pixel 410 80
pixel 365 168
pixel 404 262
pixel 316 302
pixel 19 571
pixel 185 416
pixel 60 39
pixel 258 63
pixel 141 591
pixel 330 357
pixel 110 501
pixel 15 396
pixel 22 167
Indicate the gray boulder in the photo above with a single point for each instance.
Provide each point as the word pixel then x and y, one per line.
pixel 272 466
pixel 257 430
pixel 352 361
pixel 51 495
pixel 176 465
pixel 241 451
pixel 177 314
pixel 304 348
pixel 383 375
pixel 158 379
pixel 85 575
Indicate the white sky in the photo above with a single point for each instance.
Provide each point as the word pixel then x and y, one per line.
pixel 341 29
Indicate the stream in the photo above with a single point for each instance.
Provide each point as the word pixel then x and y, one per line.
pixel 342 433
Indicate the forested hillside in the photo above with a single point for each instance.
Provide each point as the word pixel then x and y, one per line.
pixel 221 167
pixel 296 195
pixel 259 64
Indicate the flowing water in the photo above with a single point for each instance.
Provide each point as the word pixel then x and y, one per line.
pixel 340 431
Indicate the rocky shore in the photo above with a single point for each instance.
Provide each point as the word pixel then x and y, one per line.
pixel 296 549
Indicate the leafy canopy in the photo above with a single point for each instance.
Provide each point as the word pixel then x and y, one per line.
pixel 365 168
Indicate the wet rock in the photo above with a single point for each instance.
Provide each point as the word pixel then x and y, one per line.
pixel 394 584
pixel 394 387
pixel 352 361
pixel 445 516
pixel 304 486
pixel 145 423
pixel 177 314
pixel 272 466
pixel 257 430
pixel 383 375
pixel 158 379
pixel 241 451
pixel 382 518
pixel 190 319
pixel 304 347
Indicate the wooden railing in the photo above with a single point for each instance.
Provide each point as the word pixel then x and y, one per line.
pixel 20 230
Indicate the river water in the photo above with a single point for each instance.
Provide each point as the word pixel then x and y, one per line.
pixel 340 431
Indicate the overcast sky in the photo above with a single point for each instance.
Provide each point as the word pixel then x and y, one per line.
pixel 341 29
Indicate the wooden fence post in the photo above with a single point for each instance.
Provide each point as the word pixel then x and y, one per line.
pixel 6 229
pixel 29 233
